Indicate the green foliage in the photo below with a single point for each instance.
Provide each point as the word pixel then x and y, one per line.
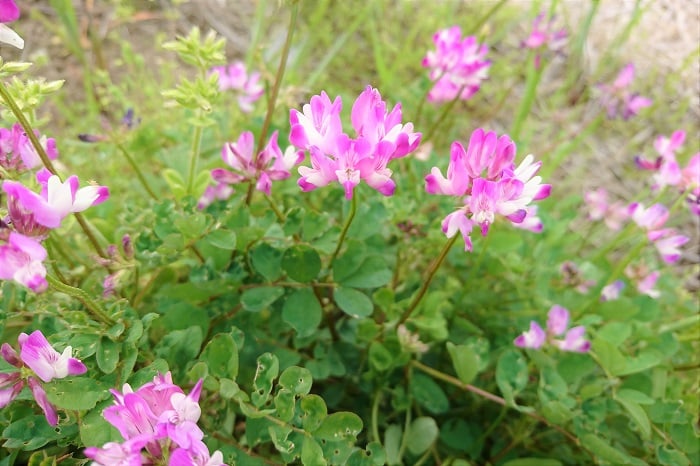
pixel 347 333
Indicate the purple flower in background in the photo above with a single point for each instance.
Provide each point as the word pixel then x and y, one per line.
pixel 9 12
pixel 457 66
pixel 381 137
pixel 39 356
pixel 235 77
pixel 268 165
pixel 557 324
pixel 613 214
pixel 488 183
pixel 546 34
pixel 221 191
pixel 645 279
pixel 612 291
pixel 666 240
pixel 618 99
pixel 573 276
pixel 21 260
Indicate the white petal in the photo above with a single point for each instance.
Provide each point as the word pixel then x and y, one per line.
pixel 8 36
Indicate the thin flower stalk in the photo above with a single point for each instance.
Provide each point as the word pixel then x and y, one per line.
pixel 83 297
pixel 346 227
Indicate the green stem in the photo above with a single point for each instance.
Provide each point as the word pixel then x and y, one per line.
pixel 274 208
pixel 445 111
pixel 346 227
pixel 17 112
pixel 534 73
pixel 375 416
pixel 475 28
pixel 278 77
pixel 194 156
pixel 136 169
pixel 484 394
pixel 426 282
pixel 81 296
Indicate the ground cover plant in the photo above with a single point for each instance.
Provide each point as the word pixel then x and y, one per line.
pixel 374 235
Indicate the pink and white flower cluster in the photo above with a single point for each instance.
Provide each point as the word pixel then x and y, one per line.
pixel 236 78
pixel 380 138
pixel 457 66
pixel 37 362
pixel 29 219
pixel 653 219
pixel 546 34
pixel 557 324
pixel 157 421
pixel 618 99
pixel 268 165
pixel 486 178
pixel 668 172
pixel 613 214
pixel 17 153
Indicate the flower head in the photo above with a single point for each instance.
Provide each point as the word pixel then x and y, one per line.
pixel 545 34
pixel 557 324
pixel 235 77
pixel 268 165
pixel 381 137
pixel 618 99
pixel 457 66
pixel 45 362
pixel 17 151
pixel 21 260
pixel 485 177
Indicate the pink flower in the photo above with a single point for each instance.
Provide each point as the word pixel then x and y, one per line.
pixel 690 175
pixel 221 191
pixel 489 183
pixel 127 453
pixel 533 338
pixel 457 66
pixel 55 202
pixel 381 137
pixel 650 219
pixel 38 355
pixel 544 34
pixel 46 362
pixel 9 12
pixel 197 455
pixel 646 285
pixel 235 77
pixel 17 151
pixel 693 201
pixel 612 291
pixel 667 242
pixel 531 222
pixel 618 100
pixel 269 164
pixel 21 260
pixel 557 323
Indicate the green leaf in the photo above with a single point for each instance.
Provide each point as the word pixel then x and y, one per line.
pixel 180 347
pixel 533 462
pixel 221 356
pixel 76 393
pixel 278 435
pixel 602 449
pixel 311 453
pixel 267 261
pixel 429 394
pixel 373 455
pixel 511 374
pixel 643 362
pixel 392 443
pixel 107 355
pixel 634 396
pixel 266 372
pixel 95 430
pixel 372 273
pixel 222 239
pixel 465 361
pixel 301 263
pixel 31 432
pixel 671 457
pixel 615 332
pixel 353 302
pixel 421 434
pixel 297 379
pixel 609 356
pixel 257 299
pixel 302 311
pixel 380 358
pixel 557 412
pixel 313 412
pixel 638 414
pixel 339 426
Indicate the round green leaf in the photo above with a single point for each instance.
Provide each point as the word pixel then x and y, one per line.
pixel 465 361
pixel 257 299
pixel 297 379
pixel 311 453
pixel 266 261
pixel 302 311
pixel 107 355
pixel 222 239
pixel 429 394
pixel 313 412
pixel 421 434
pixel 339 426
pixel 77 393
pixel 221 356
pixel 301 263
pixel 353 302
